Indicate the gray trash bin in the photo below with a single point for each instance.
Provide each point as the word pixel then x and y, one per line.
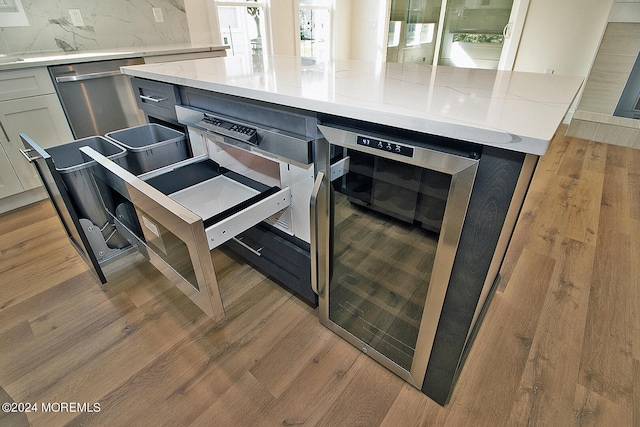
pixel 151 146
pixel 74 168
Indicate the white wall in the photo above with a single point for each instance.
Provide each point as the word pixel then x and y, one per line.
pixel 285 30
pixel 200 22
pixel 342 33
pixel 562 35
pixel 368 29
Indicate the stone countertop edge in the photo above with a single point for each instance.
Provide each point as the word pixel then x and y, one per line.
pixel 19 61
pixel 503 135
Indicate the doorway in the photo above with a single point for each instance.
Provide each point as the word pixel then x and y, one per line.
pixel 458 33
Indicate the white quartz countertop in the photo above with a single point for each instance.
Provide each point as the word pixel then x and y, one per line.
pixel 44 59
pixel 511 110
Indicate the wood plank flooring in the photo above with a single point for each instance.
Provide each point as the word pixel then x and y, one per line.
pixel 560 344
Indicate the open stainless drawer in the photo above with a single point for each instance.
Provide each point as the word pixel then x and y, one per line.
pixel 186 210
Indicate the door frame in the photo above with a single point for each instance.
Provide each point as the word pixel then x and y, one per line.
pixel 512 32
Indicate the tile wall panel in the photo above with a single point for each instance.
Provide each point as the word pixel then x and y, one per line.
pixel 107 24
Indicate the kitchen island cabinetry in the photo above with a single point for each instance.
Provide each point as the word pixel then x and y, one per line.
pixel 480 132
pixel 28 102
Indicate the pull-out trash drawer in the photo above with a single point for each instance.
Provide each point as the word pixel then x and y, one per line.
pixel 187 210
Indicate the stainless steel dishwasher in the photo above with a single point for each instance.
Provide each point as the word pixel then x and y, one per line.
pixel 96 97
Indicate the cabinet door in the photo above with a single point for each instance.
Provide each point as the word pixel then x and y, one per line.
pixel 40 117
pixel 9 183
pixel 16 84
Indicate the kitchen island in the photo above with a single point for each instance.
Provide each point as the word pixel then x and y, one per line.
pixel 511 110
pixel 503 121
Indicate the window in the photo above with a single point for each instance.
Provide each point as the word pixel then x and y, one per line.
pixel 315 29
pixel 244 26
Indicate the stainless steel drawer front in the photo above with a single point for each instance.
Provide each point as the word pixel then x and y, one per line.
pixel 173 235
pixel 279 145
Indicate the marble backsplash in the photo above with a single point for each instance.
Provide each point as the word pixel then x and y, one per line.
pixel 107 24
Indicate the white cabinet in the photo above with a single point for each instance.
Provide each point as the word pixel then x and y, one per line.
pixel 23 83
pixel 171 57
pixel 9 182
pixel 28 104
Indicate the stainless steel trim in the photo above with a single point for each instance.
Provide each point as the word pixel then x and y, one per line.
pixel 180 221
pixel 463 172
pixel 423 157
pixel 25 153
pixel 313 217
pixel 247 247
pixel 88 76
pixel 152 99
pixel 273 143
pixel 454 215
pixel 339 169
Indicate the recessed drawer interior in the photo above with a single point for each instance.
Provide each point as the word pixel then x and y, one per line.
pixel 222 193
pixel 227 202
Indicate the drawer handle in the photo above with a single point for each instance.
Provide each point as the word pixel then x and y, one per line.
pixel 247 247
pixel 88 76
pixel 26 155
pixel 313 217
pixel 155 99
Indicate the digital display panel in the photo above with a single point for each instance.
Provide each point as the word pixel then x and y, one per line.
pixel 390 147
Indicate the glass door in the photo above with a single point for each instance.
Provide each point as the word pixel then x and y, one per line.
pixel 458 33
pixel 383 258
pixel 244 26
pixel 315 29
pixel 413 29
pixel 474 33
pixel 395 217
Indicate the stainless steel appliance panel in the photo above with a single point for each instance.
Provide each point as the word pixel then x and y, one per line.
pixel 64 207
pixel 174 236
pixel 383 278
pixel 96 97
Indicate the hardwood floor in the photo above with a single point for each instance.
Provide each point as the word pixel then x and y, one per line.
pixel 560 344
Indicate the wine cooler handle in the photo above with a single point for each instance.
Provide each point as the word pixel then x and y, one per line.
pixel 313 214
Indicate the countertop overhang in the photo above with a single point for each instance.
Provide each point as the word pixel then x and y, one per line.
pixel 512 110
pixel 44 59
